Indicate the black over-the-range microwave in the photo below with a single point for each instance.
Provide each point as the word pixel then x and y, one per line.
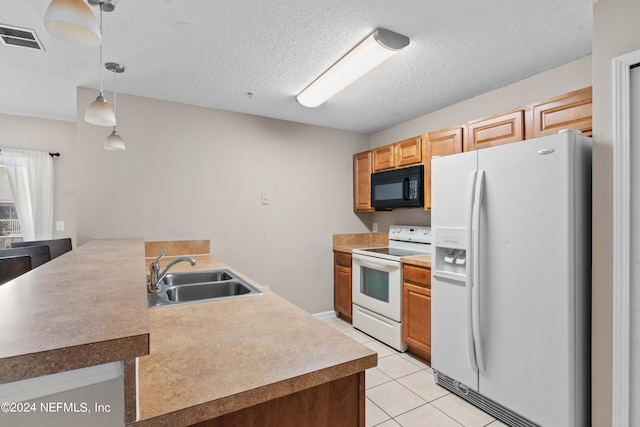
pixel 399 188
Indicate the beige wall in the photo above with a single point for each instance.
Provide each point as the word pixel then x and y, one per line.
pixel 615 32
pixel 197 173
pixel 53 136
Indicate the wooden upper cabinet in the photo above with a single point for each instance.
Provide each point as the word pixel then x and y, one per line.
pixel 569 111
pixel 439 143
pixel 495 130
pixel 398 155
pixel 409 151
pixel 384 158
pixel 362 182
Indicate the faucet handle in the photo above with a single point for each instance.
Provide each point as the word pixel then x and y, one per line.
pixel 154 267
pixel 154 273
pixel 156 264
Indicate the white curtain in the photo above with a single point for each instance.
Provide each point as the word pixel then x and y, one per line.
pixel 31 180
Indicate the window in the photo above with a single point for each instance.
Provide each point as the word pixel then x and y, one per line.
pixel 9 224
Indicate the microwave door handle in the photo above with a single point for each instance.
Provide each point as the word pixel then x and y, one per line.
pixel 405 189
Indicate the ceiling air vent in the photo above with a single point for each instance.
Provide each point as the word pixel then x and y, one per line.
pixel 14 36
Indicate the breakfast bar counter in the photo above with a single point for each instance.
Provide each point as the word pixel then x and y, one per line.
pixel 81 309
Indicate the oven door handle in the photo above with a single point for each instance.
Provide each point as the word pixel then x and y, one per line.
pixel 374 263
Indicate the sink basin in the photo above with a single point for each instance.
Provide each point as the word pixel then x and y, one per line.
pixel 199 286
pixel 178 279
pixel 203 291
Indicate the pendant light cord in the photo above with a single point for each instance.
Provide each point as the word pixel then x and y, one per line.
pixel 115 96
pixel 100 64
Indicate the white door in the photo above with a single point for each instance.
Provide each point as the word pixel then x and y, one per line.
pixel 634 304
pixel 450 351
pixel 526 279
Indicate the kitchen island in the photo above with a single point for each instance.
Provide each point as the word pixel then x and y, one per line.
pixel 255 360
pixel 81 309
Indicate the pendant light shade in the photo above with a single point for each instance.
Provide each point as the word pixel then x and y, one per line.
pixel 73 22
pixel 114 142
pixel 100 113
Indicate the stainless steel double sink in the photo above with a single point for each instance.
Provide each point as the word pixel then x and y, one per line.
pixel 199 286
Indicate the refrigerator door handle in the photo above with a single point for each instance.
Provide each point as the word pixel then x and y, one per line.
pixel 475 309
pixel 471 346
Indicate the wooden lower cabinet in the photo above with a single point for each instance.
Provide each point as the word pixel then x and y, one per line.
pixel 342 284
pixel 416 310
pixel 339 403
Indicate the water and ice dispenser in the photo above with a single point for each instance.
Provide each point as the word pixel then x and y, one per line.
pixel 449 259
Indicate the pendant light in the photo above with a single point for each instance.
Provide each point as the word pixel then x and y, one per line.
pixel 72 21
pixel 100 112
pixel 114 141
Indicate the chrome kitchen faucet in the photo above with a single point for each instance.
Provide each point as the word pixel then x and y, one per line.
pixel 156 277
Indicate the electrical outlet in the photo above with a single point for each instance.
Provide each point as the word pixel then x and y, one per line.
pixel 265 199
pixel 59 225
pixel 375 227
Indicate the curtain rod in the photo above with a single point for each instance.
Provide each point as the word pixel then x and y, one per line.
pixel 52 154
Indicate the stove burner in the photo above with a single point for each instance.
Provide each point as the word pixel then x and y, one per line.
pixel 394 251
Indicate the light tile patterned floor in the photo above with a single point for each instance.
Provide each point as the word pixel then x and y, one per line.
pixel 401 391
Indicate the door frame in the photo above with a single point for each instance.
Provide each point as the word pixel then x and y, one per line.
pixel 621 239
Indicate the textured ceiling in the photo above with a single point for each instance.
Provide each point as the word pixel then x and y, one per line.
pixel 211 53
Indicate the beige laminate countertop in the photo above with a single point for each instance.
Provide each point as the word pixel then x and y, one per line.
pixel 418 260
pixel 212 358
pixel 81 309
pixel 348 242
pixel 199 360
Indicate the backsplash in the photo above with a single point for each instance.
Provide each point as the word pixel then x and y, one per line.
pixel 402 216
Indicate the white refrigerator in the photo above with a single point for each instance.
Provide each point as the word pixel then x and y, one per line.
pixel 511 281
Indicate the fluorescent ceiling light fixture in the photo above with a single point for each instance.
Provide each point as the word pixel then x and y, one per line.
pixel 374 50
pixel 73 22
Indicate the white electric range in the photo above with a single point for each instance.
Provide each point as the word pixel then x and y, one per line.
pixel 377 283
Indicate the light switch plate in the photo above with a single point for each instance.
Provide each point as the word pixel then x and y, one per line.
pixel 265 199
pixel 59 225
